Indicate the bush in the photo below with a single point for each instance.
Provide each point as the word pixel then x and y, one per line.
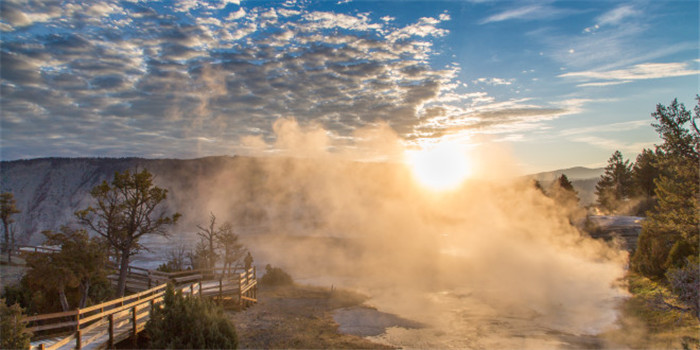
pixel 13 332
pixel 685 284
pixel 275 276
pixel 189 322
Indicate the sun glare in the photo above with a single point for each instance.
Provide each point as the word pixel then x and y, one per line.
pixel 440 167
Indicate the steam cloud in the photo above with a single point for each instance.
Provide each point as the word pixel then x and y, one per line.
pixel 493 250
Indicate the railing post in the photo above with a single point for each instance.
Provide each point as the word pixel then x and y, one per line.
pixel 78 342
pixel 221 291
pixel 110 342
pixel 133 328
pixel 42 346
pixel 200 288
pixel 240 291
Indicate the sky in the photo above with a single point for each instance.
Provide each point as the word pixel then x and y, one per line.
pixel 555 83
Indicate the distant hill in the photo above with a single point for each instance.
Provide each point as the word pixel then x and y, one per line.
pixel 583 179
pixel 575 173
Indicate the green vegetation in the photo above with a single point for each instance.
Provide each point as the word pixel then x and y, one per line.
pixel 125 211
pixel 275 276
pixel 669 181
pixel 13 332
pixel 60 281
pixel 189 322
pixel 7 209
pixel 615 185
pixel 669 237
pixel 650 319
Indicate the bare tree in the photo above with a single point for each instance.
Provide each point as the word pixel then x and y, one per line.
pixel 7 209
pixel 209 235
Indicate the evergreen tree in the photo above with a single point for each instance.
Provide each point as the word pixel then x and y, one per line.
pixel 233 249
pixel 7 209
pixel 669 235
pixel 644 172
pixel 126 210
pixel 13 331
pixel 615 185
pixel 79 264
pixel 189 322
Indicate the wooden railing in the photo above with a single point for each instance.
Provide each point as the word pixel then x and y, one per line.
pixel 108 323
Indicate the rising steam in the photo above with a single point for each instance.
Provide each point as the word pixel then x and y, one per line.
pixel 493 250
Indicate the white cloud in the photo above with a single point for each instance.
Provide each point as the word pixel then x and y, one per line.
pixel 494 81
pixel 604 83
pixel 636 72
pixel 529 12
pixel 236 15
pixel 617 15
pixel 612 144
pixel 607 128
pixel 329 20
pixel 425 27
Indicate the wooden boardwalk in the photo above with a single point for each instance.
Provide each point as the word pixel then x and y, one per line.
pixel 103 325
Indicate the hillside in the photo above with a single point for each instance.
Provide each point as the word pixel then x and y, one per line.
pixel 583 179
pixel 243 190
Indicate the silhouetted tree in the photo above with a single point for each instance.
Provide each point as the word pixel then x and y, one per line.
pixel 7 209
pixel 615 185
pixel 126 210
pixel 209 236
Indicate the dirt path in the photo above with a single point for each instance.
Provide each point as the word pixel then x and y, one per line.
pixel 297 317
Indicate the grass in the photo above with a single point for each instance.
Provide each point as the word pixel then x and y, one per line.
pixel 646 323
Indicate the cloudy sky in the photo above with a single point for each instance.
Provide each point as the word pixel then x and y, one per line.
pixel 558 83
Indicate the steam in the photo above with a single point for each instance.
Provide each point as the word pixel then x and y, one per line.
pixel 496 248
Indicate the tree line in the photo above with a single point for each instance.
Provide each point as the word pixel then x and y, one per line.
pixel 667 179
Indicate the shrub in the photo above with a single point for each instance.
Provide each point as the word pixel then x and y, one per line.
pixel 275 276
pixel 685 284
pixel 189 322
pixel 13 332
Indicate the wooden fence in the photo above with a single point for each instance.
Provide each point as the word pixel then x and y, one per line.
pixel 108 323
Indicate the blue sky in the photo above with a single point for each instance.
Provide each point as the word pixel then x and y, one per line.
pixel 558 83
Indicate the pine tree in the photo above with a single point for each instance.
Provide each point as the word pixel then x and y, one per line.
pixel 79 263
pixel 645 172
pixel 189 322
pixel 615 185
pixel 13 331
pixel 126 210
pixel 233 249
pixel 670 233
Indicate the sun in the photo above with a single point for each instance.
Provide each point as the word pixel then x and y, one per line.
pixel 440 167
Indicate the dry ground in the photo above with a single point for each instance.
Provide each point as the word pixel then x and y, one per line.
pixel 299 317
